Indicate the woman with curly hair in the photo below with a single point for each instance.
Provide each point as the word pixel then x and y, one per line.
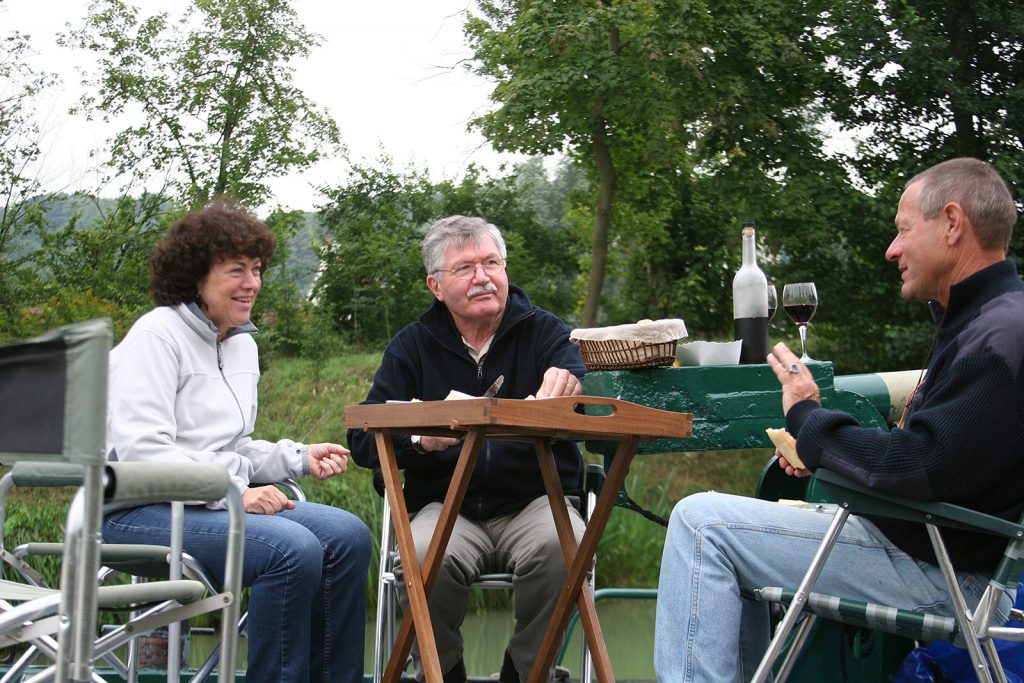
pixel 183 388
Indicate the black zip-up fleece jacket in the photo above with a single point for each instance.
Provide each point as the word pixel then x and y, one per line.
pixel 963 439
pixel 427 359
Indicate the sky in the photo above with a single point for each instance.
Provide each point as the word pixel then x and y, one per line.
pixel 388 71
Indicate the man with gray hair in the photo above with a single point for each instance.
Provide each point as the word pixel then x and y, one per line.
pixel 960 441
pixel 478 328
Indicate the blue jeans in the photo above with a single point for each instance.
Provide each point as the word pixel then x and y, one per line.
pixel 307 569
pixel 718 545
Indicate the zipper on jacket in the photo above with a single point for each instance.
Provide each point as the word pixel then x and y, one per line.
pixel 480 370
pixel 231 390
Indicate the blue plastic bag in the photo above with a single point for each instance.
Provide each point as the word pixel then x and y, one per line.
pixel 943 662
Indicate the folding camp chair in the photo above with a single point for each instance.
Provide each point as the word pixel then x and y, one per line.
pixel 142 562
pixel 53 399
pixel 385 631
pixel 975 628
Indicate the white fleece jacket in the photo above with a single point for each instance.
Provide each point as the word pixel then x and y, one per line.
pixel 176 393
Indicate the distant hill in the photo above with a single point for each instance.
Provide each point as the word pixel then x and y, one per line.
pixel 302 260
pixel 59 211
pixel 300 263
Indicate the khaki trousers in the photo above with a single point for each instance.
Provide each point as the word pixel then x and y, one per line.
pixel 524 544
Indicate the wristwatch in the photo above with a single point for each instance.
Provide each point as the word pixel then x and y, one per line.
pixel 415 441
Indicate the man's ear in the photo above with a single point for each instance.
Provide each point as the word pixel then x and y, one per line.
pixel 435 287
pixel 955 222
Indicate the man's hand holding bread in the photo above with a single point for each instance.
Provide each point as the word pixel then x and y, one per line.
pixel 797 385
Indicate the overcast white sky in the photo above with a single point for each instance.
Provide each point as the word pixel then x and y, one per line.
pixel 387 71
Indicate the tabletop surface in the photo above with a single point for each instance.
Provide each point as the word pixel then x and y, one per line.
pixel 559 418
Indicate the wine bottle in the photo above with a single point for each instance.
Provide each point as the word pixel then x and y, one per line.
pixel 750 303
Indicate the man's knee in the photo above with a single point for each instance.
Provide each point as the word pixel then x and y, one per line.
pixel 697 509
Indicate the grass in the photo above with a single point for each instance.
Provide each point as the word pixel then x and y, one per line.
pixel 629 554
pixel 305 400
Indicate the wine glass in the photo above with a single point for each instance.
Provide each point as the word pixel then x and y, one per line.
pixel 773 302
pixel 800 299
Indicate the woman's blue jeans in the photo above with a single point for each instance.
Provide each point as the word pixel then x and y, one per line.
pixel 307 569
pixel 718 545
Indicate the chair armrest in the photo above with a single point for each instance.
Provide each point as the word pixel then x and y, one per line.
pixel 42 473
pixel 860 499
pixel 138 483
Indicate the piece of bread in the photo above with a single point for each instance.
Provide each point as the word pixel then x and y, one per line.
pixel 786 445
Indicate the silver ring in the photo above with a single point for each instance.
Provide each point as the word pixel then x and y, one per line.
pixel 794 368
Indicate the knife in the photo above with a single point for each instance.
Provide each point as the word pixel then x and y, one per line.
pixel 493 389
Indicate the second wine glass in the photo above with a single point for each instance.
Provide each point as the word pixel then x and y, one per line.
pixel 800 299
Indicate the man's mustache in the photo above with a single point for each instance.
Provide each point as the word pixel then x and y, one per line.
pixel 482 289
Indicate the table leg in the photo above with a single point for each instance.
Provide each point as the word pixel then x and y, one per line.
pixel 420 580
pixel 616 475
pixel 420 615
pixel 566 538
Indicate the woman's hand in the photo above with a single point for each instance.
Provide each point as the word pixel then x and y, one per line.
pixel 266 500
pixel 327 460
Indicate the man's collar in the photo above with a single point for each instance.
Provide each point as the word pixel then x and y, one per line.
pixel 975 289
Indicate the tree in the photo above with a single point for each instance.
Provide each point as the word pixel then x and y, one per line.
pixel 211 96
pixel 650 96
pixel 97 262
pixel 20 152
pixel 926 80
pixel 915 82
pixel 370 280
pixel 588 78
pixel 110 256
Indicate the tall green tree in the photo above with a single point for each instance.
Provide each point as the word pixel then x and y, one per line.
pixel 922 81
pixel 371 280
pixel 914 82
pixel 653 96
pixel 209 99
pixel 21 204
pixel 588 78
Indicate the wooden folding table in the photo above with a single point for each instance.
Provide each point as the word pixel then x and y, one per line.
pixel 540 422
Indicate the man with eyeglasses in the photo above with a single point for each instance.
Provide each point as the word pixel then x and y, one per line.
pixel 478 328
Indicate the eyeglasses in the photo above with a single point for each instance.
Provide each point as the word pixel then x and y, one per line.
pixel 464 271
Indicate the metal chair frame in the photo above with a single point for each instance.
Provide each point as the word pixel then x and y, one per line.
pixel 976 628
pixel 53 421
pixel 141 562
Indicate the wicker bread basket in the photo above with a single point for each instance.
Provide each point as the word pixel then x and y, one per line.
pixel 647 344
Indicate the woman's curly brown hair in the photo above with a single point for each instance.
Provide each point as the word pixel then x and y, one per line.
pixel 196 242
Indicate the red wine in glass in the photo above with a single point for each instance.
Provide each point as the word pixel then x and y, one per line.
pixel 800 299
pixel 801 313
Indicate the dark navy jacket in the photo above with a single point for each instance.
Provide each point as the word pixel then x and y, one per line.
pixel 427 359
pixel 963 439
